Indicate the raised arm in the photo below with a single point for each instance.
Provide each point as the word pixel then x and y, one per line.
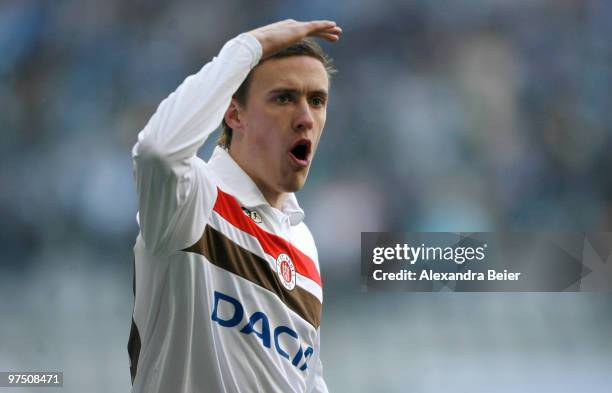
pixel 174 190
pixel 164 157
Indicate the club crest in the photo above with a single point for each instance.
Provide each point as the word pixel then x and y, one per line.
pixel 285 271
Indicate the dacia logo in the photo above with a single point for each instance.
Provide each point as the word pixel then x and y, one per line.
pixel 252 214
pixel 286 341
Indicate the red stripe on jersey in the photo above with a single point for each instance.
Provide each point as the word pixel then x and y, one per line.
pixel 229 208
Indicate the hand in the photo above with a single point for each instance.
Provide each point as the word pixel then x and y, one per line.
pixel 279 35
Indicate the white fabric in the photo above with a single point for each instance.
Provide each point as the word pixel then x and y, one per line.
pixel 183 350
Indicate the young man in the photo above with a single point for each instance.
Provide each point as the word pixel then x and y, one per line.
pixel 227 287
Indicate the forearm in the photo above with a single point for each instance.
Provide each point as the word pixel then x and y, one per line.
pixel 184 120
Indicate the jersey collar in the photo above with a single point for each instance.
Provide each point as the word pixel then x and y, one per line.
pixel 238 183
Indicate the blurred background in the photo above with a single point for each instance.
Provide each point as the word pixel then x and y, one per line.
pixel 466 115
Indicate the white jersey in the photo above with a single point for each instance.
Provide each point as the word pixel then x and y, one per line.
pixel 227 289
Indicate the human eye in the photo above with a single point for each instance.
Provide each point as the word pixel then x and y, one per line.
pixel 283 98
pixel 317 101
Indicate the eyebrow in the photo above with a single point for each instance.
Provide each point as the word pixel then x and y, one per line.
pixel 287 90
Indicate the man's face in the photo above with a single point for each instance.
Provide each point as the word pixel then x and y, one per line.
pixel 282 121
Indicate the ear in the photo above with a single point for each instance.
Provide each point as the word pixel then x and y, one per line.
pixel 232 115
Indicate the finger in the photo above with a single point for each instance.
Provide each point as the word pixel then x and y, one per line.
pixel 329 37
pixel 320 25
pixel 333 30
pixel 336 30
pixel 331 34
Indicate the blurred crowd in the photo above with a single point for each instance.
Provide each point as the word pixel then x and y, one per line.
pixel 445 116
pixel 466 115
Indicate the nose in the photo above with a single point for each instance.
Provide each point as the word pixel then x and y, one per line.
pixel 303 120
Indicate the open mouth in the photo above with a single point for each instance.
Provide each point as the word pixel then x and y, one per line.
pixel 300 152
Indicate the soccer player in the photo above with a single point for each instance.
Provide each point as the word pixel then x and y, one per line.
pixel 227 288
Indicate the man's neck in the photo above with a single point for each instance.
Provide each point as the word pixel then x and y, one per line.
pixel 273 197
